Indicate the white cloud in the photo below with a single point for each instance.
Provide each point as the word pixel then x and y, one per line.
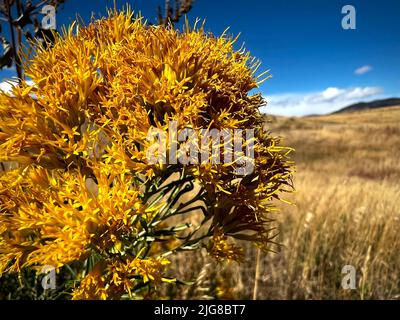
pixel 362 70
pixel 7 85
pixel 320 102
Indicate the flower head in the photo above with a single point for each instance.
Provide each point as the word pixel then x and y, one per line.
pixel 83 192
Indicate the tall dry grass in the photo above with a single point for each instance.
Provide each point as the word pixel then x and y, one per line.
pixel 347 212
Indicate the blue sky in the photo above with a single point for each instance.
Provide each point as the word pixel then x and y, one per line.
pixel 317 66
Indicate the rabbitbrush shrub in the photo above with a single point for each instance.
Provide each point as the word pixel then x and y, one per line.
pixel 85 199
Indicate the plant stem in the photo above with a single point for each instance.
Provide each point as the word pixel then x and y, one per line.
pixel 257 275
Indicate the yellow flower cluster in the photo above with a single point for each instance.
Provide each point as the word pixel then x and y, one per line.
pixel 112 281
pixel 51 217
pixel 92 287
pixel 222 250
pixel 83 189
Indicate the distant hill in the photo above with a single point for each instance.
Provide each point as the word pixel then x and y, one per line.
pixel 370 105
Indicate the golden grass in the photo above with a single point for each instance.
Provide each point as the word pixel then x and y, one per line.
pixel 347 212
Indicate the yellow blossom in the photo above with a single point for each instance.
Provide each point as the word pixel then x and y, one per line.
pixel 82 193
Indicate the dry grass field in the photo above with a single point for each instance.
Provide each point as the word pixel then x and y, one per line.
pixel 346 212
